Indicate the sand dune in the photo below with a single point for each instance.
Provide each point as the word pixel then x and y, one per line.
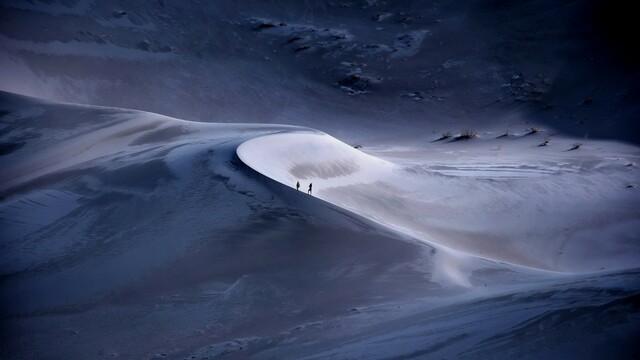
pixel 540 216
pixel 131 234
pixel 126 234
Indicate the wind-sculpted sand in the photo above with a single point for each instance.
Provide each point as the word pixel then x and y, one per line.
pixel 136 235
pixel 560 221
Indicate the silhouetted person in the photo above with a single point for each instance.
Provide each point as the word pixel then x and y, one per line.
pixel 310 185
pixel 298 185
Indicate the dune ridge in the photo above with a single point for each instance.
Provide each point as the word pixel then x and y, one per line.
pixel 131 234
pixel 512 220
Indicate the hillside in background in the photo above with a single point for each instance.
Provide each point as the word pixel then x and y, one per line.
pixel 408 67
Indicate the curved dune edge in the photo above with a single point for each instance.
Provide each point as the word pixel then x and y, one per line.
pixel 330 164
pixel 437 210
pixel 546 224
pixel 312 157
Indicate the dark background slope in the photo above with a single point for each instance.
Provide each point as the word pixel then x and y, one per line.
pixel 400 66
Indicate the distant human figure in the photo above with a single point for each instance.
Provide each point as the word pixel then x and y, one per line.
pixel 310 185
pixel 298 185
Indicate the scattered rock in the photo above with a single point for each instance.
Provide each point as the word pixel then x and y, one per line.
pixel 294 39
pixel 532 130
pixel 466 135
pixel 354 84
pixel 445 135
pixel 408 44
pixel 303 48
pixel 506 134
pixel 265 25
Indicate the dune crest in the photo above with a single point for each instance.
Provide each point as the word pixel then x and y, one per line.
pixel 531 216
